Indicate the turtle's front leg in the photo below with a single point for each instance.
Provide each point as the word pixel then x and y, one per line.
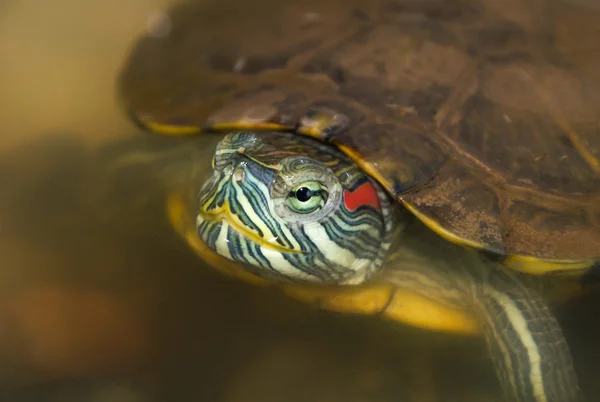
pixel 532 359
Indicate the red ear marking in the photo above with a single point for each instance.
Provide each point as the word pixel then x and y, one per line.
pixel 365 194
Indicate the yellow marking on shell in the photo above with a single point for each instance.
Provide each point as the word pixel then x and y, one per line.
pixel 537 266
pixel 312 131
pixel 400 305
pixel 525 264
pixel 315 126
pixel 184 224
pixel 250 126
pixel 189 130
pixel 446 234
pixel 224 214
pixel 171 129
pixel 368 167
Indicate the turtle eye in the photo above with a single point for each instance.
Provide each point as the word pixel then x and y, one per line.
pixel 305 191
pixel 307 197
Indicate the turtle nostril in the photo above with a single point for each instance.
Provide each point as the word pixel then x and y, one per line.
pixel 239 175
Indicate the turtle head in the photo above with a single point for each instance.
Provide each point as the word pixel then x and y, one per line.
pixel 292 209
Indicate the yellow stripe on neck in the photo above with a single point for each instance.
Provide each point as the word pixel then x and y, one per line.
pixel 181 220
pixel 224 214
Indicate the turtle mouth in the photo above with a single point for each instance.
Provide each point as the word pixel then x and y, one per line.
pixel 224 215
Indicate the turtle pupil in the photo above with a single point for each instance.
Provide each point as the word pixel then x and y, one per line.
pixel 303 194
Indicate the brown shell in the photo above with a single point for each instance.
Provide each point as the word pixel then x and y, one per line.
pixel 482 116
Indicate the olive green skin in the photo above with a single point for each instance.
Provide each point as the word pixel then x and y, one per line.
pixel 474 120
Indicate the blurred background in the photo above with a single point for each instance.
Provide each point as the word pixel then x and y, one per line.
pixel 97 307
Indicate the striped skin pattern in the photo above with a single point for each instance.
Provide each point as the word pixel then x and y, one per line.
pixel 516 343
pixel 524 339
pixel 294 210
pixel 291 209
pixel 532 358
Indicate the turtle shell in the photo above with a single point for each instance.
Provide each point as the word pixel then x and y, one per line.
pixel 481 117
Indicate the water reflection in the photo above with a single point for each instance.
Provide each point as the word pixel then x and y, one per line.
pixel 99 301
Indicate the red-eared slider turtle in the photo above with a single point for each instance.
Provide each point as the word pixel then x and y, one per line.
pixel 346 120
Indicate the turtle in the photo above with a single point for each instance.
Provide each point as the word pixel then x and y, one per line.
pixel 435 163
